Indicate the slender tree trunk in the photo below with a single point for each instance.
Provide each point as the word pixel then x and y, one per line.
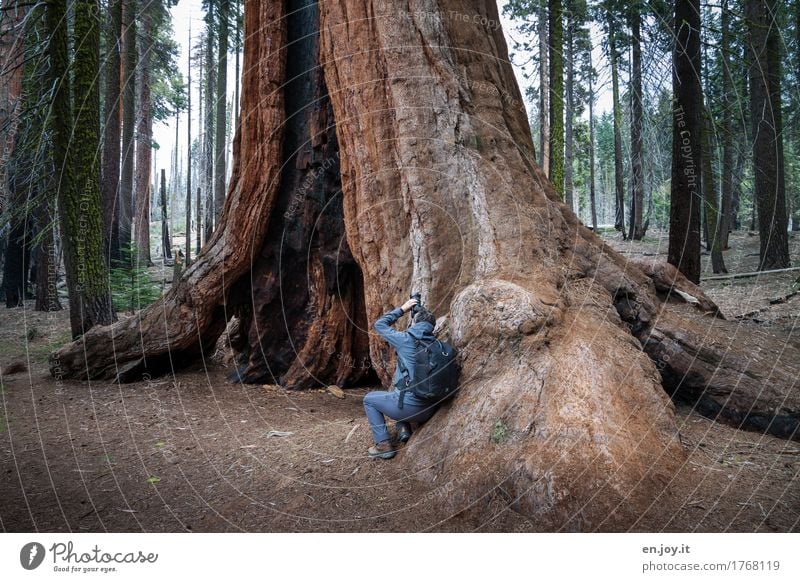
pixel 592 197
pixel 563 323
pixel 544 87
pixel 221 108
pixel 765 111
pixel 569 102
pixel 710 193
pixel 726 128
pixel 112 131
pixel 75 153
pixel 18 246
pixel 556 50
pixel 16 76
pixel 47 264
pixel 619 180
pixel 166 241
pixel 188 243
pixel 129 58
pixel 684 217
pixel 238 71
pixel 144 138
pixel 30 166
pixel 12 53
pixel 209 118
pixel 796 190
pixel 736 189
pixel 200 163
pixel 175 179
pixel 198 206
pixel 637 118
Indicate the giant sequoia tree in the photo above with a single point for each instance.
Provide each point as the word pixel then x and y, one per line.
pixel 368 164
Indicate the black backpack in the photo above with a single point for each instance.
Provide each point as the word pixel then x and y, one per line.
pixel 435 372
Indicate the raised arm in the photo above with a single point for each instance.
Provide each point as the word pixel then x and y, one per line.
pixel 383 325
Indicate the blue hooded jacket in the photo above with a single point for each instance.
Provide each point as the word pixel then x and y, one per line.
pixel 404 342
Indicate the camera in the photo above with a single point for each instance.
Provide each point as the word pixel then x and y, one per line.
pixel 418 296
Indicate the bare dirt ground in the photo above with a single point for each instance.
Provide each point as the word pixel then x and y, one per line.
pixel 192 452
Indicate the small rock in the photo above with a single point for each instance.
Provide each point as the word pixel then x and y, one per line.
pixel 336 391
pixel 19 367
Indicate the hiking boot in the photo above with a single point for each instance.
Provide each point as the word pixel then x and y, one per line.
pixel 382 450
pixel 404 433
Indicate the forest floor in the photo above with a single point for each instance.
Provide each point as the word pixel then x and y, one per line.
pixel 193 452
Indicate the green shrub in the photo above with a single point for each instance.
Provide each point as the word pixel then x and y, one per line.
pixel 132 287
pixel 500 432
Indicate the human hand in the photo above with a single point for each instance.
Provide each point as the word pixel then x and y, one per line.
pixel 406 307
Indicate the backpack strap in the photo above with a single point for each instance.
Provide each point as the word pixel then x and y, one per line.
pixel 406 376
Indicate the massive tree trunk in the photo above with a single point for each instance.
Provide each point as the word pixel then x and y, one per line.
pixel 440 192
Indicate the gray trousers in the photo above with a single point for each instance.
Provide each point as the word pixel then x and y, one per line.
pixel 381 404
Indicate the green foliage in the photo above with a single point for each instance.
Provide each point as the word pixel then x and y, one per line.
pixel 500 432
pixel 168 88
pixel 132 287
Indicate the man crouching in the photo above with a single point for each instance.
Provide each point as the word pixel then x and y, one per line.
pixel 381 404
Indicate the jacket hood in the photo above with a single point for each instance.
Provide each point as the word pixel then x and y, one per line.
pixel 421 330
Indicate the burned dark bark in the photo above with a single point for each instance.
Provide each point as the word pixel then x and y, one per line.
pixel 303 264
